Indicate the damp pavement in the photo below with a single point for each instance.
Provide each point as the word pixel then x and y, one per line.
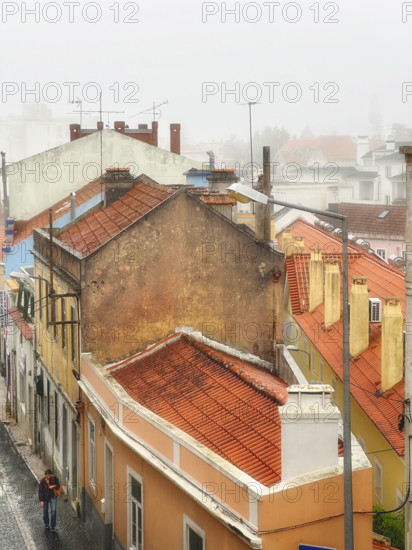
pixel 21 521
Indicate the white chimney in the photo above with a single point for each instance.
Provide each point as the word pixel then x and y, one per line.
pixel 309 423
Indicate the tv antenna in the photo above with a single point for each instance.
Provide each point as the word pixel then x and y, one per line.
pixel 154 109
pixel 100 111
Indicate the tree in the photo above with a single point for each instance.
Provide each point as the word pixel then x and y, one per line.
pixel 390 525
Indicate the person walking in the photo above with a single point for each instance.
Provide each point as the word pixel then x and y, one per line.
pixel 48 489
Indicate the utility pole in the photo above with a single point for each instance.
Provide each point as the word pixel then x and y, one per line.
pixel 407 151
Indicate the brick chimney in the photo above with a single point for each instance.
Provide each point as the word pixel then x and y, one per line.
pixel 315 278
pixel 309 431
pixel 120 126
pixel 332 292
pixel 100 126
pixel 154 134
pixel 392 343
pixel 74 131
pixel 175 138
pixel 359 316
pixel 116 182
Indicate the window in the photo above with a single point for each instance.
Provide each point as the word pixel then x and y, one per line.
pixel 63 319
pixel 41 300
pixel 388 170
pixel 377 479
pixel 135 513
pixel 321 370
pixel 381 252
pixel 92 455
pixel 73 334
pixel 366 190
pixel 194 537
pixel 48 402
pixel 313 362
pixel 56 416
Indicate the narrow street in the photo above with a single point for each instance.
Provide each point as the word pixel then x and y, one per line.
pixel 22 524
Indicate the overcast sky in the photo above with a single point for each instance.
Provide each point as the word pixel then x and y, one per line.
pixel 337 66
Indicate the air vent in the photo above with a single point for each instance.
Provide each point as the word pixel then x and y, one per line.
pixel 375 310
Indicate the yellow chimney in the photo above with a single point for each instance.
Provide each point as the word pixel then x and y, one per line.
pixel 332 292
pixel 287 239
pixel 315 278
pixel 392 343
pixel 359 316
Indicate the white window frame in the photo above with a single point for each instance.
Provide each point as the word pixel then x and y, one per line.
pixel 132 473
pixel 378 480
pixel 381 252
pixel 92 454
pixel 189 524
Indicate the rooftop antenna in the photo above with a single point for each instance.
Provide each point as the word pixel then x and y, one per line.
pixel 154 110
pixel 78 102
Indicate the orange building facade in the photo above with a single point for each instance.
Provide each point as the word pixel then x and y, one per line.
pixel 204 467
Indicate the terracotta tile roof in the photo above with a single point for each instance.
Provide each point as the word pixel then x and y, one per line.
pixel 100 226
pixel 24 229
pixel 225 403
pixel 378 545
pixel 383 280
pixel 333 147
pixel 23 326
pixel 365 217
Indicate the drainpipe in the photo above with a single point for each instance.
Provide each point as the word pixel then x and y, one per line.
pixel 4 178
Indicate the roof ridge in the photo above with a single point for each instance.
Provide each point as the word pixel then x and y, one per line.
pixel 236 370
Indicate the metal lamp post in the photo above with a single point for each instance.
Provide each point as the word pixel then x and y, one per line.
pixel 295 348
pixel 243 193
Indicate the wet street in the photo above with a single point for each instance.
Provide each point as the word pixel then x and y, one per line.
pixel 21 525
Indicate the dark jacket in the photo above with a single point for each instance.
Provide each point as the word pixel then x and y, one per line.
pixel 45 493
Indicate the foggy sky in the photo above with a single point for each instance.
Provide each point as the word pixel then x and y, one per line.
pixel 171 54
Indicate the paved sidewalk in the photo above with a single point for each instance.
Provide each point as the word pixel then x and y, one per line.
pixel 21 525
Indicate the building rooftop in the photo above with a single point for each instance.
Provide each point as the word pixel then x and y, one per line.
pixel 368 217
pixel 228 404
pixel 94 230
pixel 383 280
pixel 24 229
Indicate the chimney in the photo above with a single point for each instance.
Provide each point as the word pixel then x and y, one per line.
pixel 74 131
pixel 116 182
pixel 359 316
pixel 220 179
pixel 100 126
pixel 309 440
pixel 287 240
pixel 332 292
pixel 390 145
pixel 315 278
pixel 392 343
pixel 175 138
pixel 154 135
pixel 362 147
pixel 119 126
pixel 142 127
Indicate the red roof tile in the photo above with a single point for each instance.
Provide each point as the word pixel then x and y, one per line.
pixel 227 404
pixel 100 226
pixel 383 280
pixel 24 229
pixel 23 326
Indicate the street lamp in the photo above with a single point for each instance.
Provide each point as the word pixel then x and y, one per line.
pixel 295 348
pixel 243 193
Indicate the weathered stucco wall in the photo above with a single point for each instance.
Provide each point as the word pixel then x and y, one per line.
pixel 43 179
pixel 182 265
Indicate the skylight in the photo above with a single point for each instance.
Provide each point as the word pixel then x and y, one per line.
pixel 383 214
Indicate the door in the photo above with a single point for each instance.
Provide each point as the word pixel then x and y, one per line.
pixel 108 485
